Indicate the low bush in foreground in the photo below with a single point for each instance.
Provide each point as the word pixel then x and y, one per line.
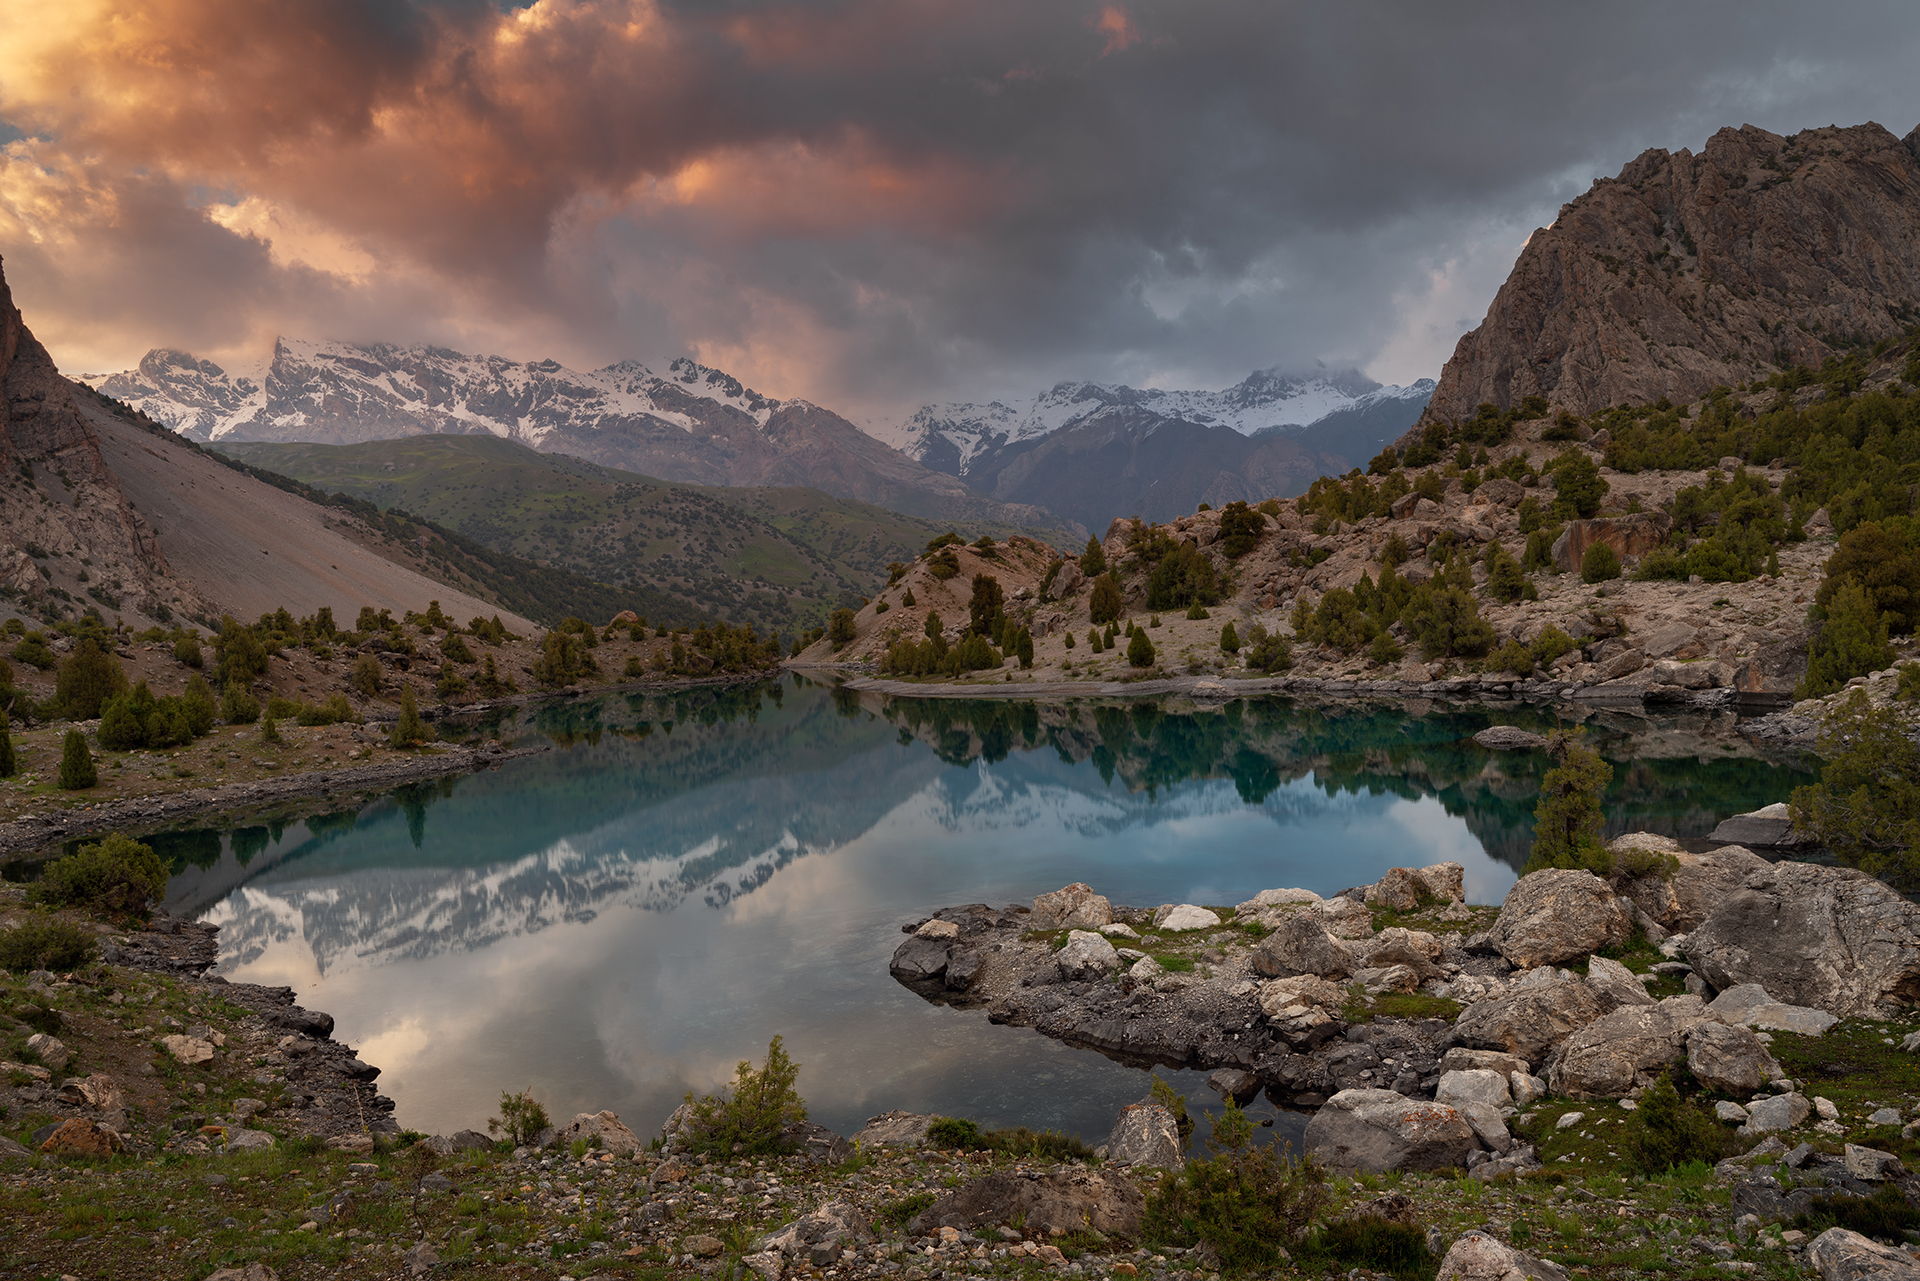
pixel 754 1113
pixel 117 876
pixel 44 942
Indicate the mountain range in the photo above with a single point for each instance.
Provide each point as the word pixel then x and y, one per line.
pixel 1089 452
pixel 1074 458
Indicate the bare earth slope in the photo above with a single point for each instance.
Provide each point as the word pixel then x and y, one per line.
pixel 1687 272
pixel 253 548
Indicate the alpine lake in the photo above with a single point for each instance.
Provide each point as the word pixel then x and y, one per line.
pixel 621 919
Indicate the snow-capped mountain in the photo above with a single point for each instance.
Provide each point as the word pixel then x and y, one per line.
pixel 694 424
pixel 341 393
pixel 951 437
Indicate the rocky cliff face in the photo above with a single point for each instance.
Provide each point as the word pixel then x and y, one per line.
pixel 1687 272
pixel 65 526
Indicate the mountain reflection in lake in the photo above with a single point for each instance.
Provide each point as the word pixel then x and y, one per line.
pixel 623 918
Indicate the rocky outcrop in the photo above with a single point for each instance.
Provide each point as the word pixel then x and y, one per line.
pixel 1072 907
pixel 1827 937
pixel 1623 1050
pixel 1688 272
pixel 1558 915
pixel 70 511
pixel 1841 1255
pixel 1681 900
pixel 1373 1131
pixel 1299 944
pixel 1730 1059
pixel 1631 537
pixel 1532 1015
pixel 1146 1136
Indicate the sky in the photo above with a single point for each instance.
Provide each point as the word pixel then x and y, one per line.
pixel 871 204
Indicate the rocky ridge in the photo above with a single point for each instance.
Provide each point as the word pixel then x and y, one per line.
pixel 1687 272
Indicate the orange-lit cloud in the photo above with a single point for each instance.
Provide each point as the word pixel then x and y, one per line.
pixel 862 202
pixel 1114 23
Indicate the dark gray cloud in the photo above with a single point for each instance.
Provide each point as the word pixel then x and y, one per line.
pixel 867 203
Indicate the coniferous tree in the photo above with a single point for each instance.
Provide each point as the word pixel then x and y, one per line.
pixel 1568 822
pixel 76 763
pixel 8 765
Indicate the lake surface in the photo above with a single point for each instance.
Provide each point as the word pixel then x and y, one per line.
pixel 623 918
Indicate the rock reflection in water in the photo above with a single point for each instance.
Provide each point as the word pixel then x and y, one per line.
pixel 621 919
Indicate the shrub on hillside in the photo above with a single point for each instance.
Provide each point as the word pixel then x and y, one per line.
pixel 521 1118
pixel 238 706
pixel 187 650
pixel 1599 564
pixel 761 1105
pixel 1667 1131
pixel 366 677
pixel 76 763
pixel 86 680
pixel 1246 1203
pixel 43 942
pixel 116 876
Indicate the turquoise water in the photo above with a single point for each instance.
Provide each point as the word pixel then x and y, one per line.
pixel 621 919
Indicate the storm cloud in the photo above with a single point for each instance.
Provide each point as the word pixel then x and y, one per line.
pixel 869 203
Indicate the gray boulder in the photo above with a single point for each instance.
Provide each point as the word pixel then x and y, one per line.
pixel 1373 1131
pixel 1776 1113
pixel 1767 827
pixel 1617 981
pixel 819 1236
pixel 1627 1048
pixel 1462 1059
pixel 1086 956
pixel 603 1131
pixel 1071 907
pixel 1300 945
pixel 1145 1136
pixel 1750 1005
pixel 1680 902
pixel 1871 1164
pixel 816 1143
pixel 1069 1201
pixel 1832 938
pixel 1474 1085
pixel 1557 915
pixel 1488 1126
pixel 920 960
pixel 1509 738
pixel 1840 1255
pixel 1234 1083
pixel 1729 1059
pixel 1476 1256
pixel 896 1129
pixel 1532 1015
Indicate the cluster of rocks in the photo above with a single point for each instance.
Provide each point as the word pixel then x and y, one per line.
pixel 1271 995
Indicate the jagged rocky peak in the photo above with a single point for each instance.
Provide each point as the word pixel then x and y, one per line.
pixel 1689 271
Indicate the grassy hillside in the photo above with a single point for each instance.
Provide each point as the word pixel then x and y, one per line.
pixel 779 558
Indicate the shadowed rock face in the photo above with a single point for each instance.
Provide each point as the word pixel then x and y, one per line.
pixel 72 506
pixel 1687 272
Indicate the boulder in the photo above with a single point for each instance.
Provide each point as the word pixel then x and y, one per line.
pixel 1474 1085
pixel 1344 918
pixel 1557 915
pixel 1400 890
pixel 1276 898
pixel 1871 1164
pixel 895 1130
pixel 945 931
pixel 98 1091
pixel 1066 582
pixel 1627 1048
pixel 602 1131
pixel 816 1143
pixel 1476 1256
pixel 1840 1255
pixel 249 1141
pixel 1509 738
pixel 1775 1113
pixel 1446 881
pixel 1681 901
pixel 52 1051
pixel 1235 1084
pixel 1769 826
pixel 447 1145
pixel 81 1138
pixel 1068 1201
pixel 1532 1015
pixel 1750 1005
pixel 1488 1126
pixel 188 1049
pixel 1415 949
pixel 1310 990
pixel 252 1272
pixel 1832 938
pixel 1072 907
pixel 1729 1059
pixel 1629 536
pixel 1086 956
pixel 1373 1131
pixel 1617 981
pixel 829 1228
pixel 1301 945
pixel 1462 1059
pixel 1145 1136
pixel 1187 917
pixel 920 961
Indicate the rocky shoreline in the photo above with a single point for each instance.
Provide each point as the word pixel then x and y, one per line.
pixel 35 832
